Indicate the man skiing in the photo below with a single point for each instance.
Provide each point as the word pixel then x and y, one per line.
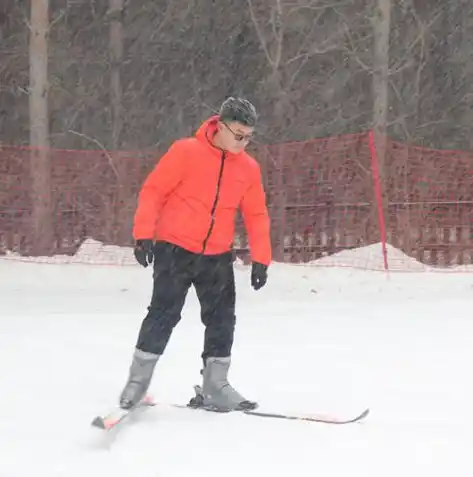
pixel 184 225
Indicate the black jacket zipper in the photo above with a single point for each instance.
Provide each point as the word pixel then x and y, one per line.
pixel 214 206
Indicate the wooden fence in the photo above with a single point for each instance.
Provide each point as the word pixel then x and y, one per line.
pixel 324 196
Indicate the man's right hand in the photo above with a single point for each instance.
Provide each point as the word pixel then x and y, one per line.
pixel 144 253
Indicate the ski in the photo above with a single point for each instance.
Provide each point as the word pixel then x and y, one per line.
pixel 197 401
pixel 118 415
pixel 318 418
pixel 325 419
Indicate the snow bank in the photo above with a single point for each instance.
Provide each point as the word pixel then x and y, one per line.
pixel 368 257
pixel 90 252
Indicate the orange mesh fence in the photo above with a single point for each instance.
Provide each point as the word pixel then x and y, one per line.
pixel 93 195
pixel 430 212
pixel 333 202
pixel 320 195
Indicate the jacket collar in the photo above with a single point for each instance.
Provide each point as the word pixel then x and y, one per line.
pixel 207 131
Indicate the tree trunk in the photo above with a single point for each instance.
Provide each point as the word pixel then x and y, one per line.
pixel 116 56
pixel 278 194
pixel 118 233
pixel 382 26
pixel 42 226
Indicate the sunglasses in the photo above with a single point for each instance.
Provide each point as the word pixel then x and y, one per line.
pixel 238 136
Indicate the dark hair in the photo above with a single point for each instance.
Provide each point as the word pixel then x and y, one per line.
pixel 239 110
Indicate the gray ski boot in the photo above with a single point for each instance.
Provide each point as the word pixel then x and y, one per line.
pixel 141 372
pixel 216 393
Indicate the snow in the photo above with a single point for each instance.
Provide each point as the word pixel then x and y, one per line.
pixel 315 339
pixel 90 251
pixel 371 257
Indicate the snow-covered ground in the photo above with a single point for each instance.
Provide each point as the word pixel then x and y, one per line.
pixel 315 339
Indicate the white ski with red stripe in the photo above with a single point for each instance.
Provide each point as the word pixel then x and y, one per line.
pixel 115 417
pixel 118 415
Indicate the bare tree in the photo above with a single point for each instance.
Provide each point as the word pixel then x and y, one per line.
pixel 42 232
pixel 116 55
pixel 180 57
pixel 382 28
pixel 117 221
pixel 290 34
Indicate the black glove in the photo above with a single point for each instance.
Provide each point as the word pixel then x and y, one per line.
pixel 144 252
pixel 259 275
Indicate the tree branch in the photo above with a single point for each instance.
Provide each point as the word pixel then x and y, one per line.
pixel 100 145
pixel 261 38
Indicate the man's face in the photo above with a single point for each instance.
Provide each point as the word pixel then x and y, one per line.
pixel 235 136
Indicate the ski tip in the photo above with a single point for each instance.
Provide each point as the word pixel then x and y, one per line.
pixel 322 418
pixel 149 401
pixel 98 422
pixel 105 423
pixel 357 419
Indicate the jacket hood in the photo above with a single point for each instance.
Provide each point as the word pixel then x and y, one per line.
pixel 206 132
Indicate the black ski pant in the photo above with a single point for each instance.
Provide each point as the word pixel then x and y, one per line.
pixel 175 270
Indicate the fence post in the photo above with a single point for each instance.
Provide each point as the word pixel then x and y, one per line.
pixel 379 197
